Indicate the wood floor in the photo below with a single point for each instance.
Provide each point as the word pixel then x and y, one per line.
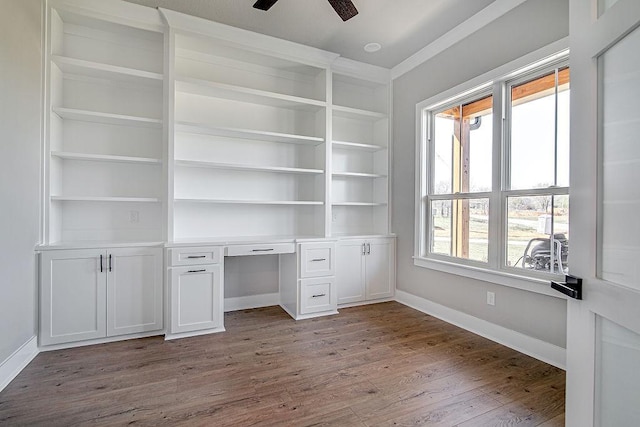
pixel 382 364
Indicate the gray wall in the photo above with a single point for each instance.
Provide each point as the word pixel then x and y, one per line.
pixel 20 65
pixel 526 28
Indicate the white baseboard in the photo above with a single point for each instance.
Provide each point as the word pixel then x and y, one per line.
pixel 251 301
pixel 541 350
pixel 169 336
pixel 361 303
pixel 85 343
pixel 10 368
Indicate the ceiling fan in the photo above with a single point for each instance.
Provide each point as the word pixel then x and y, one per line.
pixel 344 8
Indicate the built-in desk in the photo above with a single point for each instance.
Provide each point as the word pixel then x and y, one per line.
pixel 196 281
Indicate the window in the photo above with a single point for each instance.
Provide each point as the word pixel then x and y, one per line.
pixel 494 175
pixel 461 176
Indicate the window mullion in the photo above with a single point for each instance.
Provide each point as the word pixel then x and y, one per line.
pixel 495 204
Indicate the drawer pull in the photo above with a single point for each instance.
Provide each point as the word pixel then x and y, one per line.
pixel 196 256
pixel 318 259
pixel 318 295
pixel 197 271
pixel 262 250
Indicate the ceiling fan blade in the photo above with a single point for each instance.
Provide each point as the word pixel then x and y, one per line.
pixel 344 8
pixel 264 4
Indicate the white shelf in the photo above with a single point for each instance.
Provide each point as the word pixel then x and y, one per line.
pixel 204 129
pixel 358 204
pixel 357 146
pixel 107 118
pixel 245 94
pixel 251 202
pixel 230 166
pixel 356 113
pixel 358 175
pixel 104 158
pixel 105 71
pixel 105 199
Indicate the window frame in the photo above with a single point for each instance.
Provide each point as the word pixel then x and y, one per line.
pixel 495 83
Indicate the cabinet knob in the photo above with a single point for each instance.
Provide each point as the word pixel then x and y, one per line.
pixel 318 295
pixel 318 259
pixel 196 256
pixel 262 250
pixel 197 271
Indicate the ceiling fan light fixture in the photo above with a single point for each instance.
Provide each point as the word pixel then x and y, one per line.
pixel 372 47
pixel 344 8
pixel 264 4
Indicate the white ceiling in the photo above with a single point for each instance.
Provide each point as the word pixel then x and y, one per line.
pixel 402 27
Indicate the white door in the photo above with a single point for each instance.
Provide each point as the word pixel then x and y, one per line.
pixel 603 336
pixel 134 290
pixel 379 269
pixel 350 271
pixel 197 300
pixel 72 295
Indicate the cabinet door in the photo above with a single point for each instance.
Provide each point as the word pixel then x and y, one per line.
pixel 379 269
pixel 72 296
pixel 196 298
pixel 134 290
pixel 350 271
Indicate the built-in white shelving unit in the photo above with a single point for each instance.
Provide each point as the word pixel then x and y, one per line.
pixel 206 131
pixel 162 129
pixel 250 137
pixel 105 127
pixel 360 154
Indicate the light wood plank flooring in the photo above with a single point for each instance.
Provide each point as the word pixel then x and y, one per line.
pixel 382 364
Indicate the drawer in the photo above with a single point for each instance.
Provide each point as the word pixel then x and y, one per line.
pixel 194 256
pixel 317 259
pixel 317 295
pixel 261 249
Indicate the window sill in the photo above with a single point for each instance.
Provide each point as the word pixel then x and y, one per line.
pixel 530 284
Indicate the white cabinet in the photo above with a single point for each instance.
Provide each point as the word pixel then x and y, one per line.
pixel 196 291
pixel 365 269
pixel 196 298
pixel 97 293
pixel 307 280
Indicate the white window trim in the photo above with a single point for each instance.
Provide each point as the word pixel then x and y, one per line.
pixel 483 83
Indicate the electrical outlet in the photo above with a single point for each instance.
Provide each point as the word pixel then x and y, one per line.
pixel 334 216
pixel 491 298
pixel 134 217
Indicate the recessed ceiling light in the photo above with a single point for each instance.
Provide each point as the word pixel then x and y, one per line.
pixel 372 47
